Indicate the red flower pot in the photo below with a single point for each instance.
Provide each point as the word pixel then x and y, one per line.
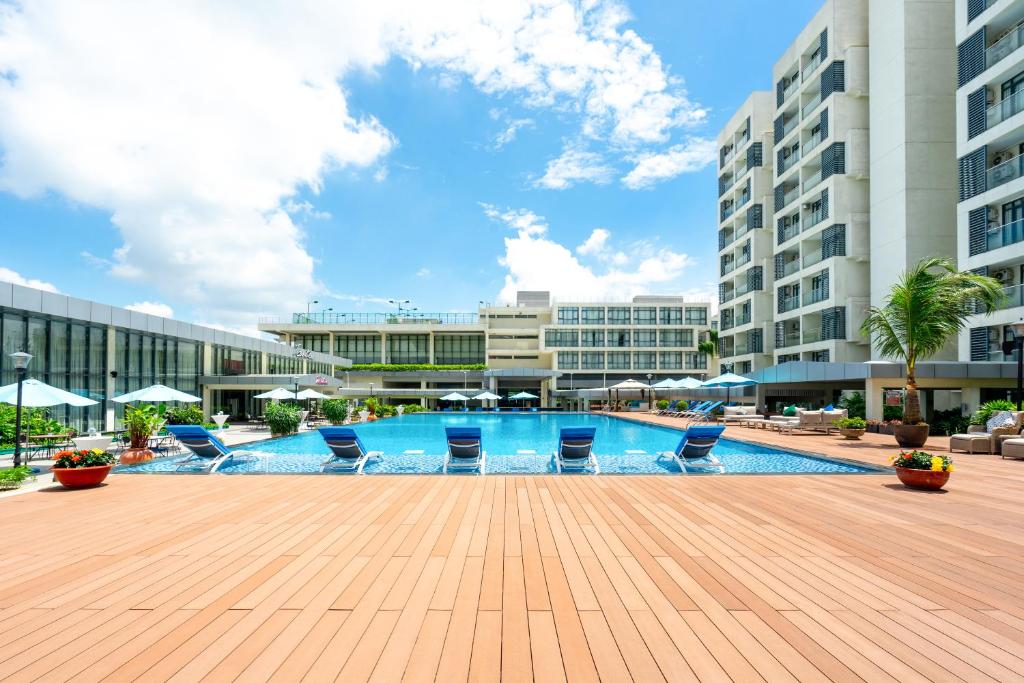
pixel 924 480
pixel 135 455
pixel 81 477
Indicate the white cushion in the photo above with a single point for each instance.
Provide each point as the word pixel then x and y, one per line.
pixel 999 420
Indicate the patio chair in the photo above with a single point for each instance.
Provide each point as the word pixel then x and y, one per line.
pixel 705 413
pixel 739 414
pixel 207 450
pixel 575 450
pixel 990 437
pixel 697 443
pixel 670 408
pixel 465 449
pixel 348 454
pixel 693 407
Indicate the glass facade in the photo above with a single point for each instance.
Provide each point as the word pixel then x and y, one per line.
pixel 618 315
pixel 618 338
pixel 670 360
pixel 671 338
pixel 359 348
pixel 645 338
pixel 593 360
pixel 568 315
pixel 407 349
pixel 556 338
pixel 670 315
pixel 696 361
pixel 592 338
pixel 314 342
pixel 459 349
pixel 618 360
pixel 644 360
pixel 696 316
pixel 568 360
pixel 283 365
pixel 593 315
pixel 645 315
pixel 227 360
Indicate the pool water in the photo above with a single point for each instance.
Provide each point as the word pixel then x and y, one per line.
pixel 515 444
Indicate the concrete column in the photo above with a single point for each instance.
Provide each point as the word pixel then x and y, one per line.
pixel 873 398
pixel 207 400
pixel 111 382
pixel 971 397
pixel 383 347
pixel 430 348
pixel 544 384
pixel 423 401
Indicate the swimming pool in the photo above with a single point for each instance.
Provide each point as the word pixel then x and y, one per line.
pixel 515 444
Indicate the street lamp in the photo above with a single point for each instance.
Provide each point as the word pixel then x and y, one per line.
pixel 465 380
pixel 1018 342
pixel 309 305
pixel 295 381
pixel 649 378
pixel 21 361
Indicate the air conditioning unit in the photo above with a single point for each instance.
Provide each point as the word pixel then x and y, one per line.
pixel 1005 276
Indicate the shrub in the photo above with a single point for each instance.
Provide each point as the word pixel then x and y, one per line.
pixel 14 477
pixel 184 415
pixel 919 460
pixel 33 421
pixel 282 418
pixel 892 414
pixel 84 458
pixel 336 410
pixel 948 422
pixel 662 404
pixel 854 404
pixel 852 423
pixel 414 408
pixel 990 408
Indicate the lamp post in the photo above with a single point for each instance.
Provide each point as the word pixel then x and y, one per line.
pixel 309 305
pixel 649 378
pixel 1018 332
pixel 21 361
pixel 295 381
pixel 465 380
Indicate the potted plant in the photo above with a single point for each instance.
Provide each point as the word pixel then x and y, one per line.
pixel 81 469
pixel 283 419
pixel 920 470
pixel 140 423
pixel 852 427
pixel 14 477
pixel 336 410
pixel 924 311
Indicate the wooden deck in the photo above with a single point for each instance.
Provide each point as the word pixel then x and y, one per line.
pixel 548 578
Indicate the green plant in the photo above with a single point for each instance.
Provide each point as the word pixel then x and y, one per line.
pixel 919 460
pixel 336 410
pixel 282 418
pixel 892 413
pixel 709 346
pixel 140 423
pixel 948 422
pixel 414 408
pixel 413 367
pixel 387 410
pixel 852 423
pixel 662 404
pixel 83 458
pixel 989 408
pixel 372 405
pixel 925 309
pixel 33 421
pixel 854 404
pixel 184 415
pixel 14 477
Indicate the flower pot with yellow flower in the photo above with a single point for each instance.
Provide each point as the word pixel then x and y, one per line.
pixel 82 469
pixel 923 471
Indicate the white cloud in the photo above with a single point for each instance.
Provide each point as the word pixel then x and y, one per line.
pixel 574 166
pixel 692 155
pixel 423 272
pixel 511 131
pixel 305 209
pixel 222 113
pixel 596 243
pixel 152 308
pixel 535 261
pixel 14 277
pixel 521 220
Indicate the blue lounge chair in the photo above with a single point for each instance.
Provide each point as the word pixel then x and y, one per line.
pixel 208 451
pixel 704 413
pixel 576 450
pixel 533 410
pixel 465 449
pixel 692 409
pixel 669 408
pixel 697 443
pixel 348 454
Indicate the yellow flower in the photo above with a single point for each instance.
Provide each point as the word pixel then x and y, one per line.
pixel 937 464
pixel 949 467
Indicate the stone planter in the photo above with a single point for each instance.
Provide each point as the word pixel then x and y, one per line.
pixel 923 480
pixel 852 434
pixel 132 456
pixel 911 436
pixel 81 477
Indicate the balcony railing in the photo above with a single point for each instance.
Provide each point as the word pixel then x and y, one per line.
pixel 745 139
pixel 811 66
pixel 790 161
pixel 790 89
pixel 728 267
pixel 742 320
pixel 815 218
pixel 812 181
pixel 787 126
pixel 740 350
pixel 728 211
pixel 727 324
pixel 330 318
pixel 812 143
pixel 1009 106
pixel 729 155
pixel 1013 297
pixel 790 231
pixel 791 339
pixel 727 240
pixel 790 267
pixel 815 295
pixel 728 296
pixel 811 336
pixel 728 183
pixel 1006 46
pixel 1005 235
pixel 812 258
pixel 743 288
pixel 1005 172
pixel 812 105
pixel 791 196
pixel 740 232
pixel 789 304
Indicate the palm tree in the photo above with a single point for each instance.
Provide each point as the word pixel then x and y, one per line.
pixel 925 309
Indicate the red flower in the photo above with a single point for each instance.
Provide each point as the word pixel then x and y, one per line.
pixel 75 458
pixel 908 456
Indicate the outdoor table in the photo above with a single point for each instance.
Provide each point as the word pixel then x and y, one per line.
pixel 88 443
pixel 48 442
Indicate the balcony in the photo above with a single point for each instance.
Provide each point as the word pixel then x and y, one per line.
pixel 728 211
pixel 1005 235
pixel 791 196
pixel 812 143
pixel 790 161
pixel 740 350
pixel 1005 172
pixel 788 126
pixel 815 296
pixel 811 67
pixel 789 304
pixel 812 181
pixel 790 89
pixel 743 288
pixel 728 183
pixel 812 258
pixel 791 267
pixel 740 232
pixel 815 218
pixel 728 267
pixel 811 336
pixel 742 320
pixel 744 139
pixel 811 106
pixel 1013 297
pixel 727 325
pixel 1004 47
pixel 1003 110
pixel 790 339
pixel 727 296
pixel 728 156
pixel 790 231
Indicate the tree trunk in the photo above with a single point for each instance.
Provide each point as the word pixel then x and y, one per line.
pixel 912 412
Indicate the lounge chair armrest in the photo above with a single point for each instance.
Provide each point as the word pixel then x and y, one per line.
pixel 976 429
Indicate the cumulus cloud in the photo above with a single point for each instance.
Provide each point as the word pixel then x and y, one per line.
pixel 596 243
pixel 194 124
pixel 510 132
pixel 152 308
pixel 536 261
pixel 692 155
pixel 423 272
pixel 14 277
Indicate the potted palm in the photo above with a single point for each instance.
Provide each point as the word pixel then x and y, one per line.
pixel 140 423
pixel 924 311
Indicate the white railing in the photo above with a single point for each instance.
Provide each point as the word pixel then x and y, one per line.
pixel 812 258
pixel 791 196
pixel 790 89
pixel 790 161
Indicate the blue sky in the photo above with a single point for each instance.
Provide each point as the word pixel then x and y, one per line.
pixel 233 186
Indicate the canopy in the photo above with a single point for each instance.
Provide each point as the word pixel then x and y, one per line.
pixel 666 384
pixel 689 383
pixel 157 393
pixel 486 396
pixel 727 381
pixel 311 393
pixel 277 394
pixel 455 396
pixel 522 395
pixel 36 394
pixel 630 384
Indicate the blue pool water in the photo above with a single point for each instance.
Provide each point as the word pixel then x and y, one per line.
pixel 515 444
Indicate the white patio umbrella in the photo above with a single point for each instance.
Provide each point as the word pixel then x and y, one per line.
pixel 36 394
pixel 666 384
pixel 311 393
pixel 486 396
pixel 522 395
pixel 455 396
pixel 728 381
pixel 158 393
pixel 277 394
pixel 629 384
pixel 689 383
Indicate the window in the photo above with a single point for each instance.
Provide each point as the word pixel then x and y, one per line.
pixel 618 338
pixel 592 338
pixel 593 315
pixel 672 338
pixel 670 360
pixel 458 349
pixel 644 360
pixel 618 315
pixel 568 360
pixel 645 338
pixel 593 360
pixel 618 360
pixel 314 342
pixel 359 349
pixel 696 316
pixel 1012 86
pixel 568 316
pixel 696 361
pixel 670 315
pixel 788 358
pixel 556 338
pixel 745 367
pixel 820 356
pixel 405 349
pixel 645 315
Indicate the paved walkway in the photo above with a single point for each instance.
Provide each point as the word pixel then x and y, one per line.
pixel 741 578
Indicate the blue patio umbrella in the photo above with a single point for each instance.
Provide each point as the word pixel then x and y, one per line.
pixel 728 381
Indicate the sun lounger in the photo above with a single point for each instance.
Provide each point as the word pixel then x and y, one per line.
pixel 692 409
pixel 705 413
pixel 465 449
pixel 207 451
pixel 575 450
pixel 697 443
pixel 348 454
